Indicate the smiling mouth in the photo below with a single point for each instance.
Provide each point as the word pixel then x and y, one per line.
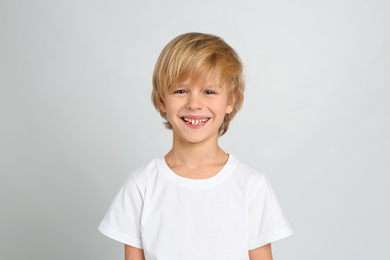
pixel 195 121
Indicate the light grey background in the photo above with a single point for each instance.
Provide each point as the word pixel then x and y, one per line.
pixel 76 117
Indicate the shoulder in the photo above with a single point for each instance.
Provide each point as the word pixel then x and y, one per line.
pixel 249 177
pixel 144 174
pixel 146 169
pixel 247 171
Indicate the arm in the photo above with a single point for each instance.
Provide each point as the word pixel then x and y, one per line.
pixel 133 253
pixel 261 253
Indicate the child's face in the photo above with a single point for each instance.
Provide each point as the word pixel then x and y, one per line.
pixel 195 111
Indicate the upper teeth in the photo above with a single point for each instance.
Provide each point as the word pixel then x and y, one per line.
pixel 195 121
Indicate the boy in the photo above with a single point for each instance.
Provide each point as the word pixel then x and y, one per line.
pixel 197 202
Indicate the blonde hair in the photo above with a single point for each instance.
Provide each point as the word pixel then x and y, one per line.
pixel 198 57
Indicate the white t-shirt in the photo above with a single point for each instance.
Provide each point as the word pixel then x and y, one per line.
pixel 171 217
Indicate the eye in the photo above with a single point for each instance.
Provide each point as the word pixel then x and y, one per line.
pixel 209 92
pixel 180 91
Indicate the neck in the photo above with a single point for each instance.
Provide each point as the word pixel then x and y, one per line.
pixel 195 154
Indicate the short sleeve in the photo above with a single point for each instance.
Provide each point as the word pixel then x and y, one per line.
pixel 267 222
pixel 123 219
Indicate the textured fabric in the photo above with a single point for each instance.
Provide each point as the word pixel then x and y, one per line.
pixel 172 217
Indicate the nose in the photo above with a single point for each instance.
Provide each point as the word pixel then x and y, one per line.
pixel 194 102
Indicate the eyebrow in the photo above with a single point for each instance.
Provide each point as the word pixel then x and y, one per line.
pixel 213 86
pixel 204 86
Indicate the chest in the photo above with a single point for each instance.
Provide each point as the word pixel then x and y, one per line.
pixel 213 221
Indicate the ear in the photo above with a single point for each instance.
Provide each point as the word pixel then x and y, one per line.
pixel 231 101
pixel 162 107
pixel 229 109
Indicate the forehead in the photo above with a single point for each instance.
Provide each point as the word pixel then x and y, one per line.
pixel 195 85
pixel 203 85
pixel 200 83
pixel 198 78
